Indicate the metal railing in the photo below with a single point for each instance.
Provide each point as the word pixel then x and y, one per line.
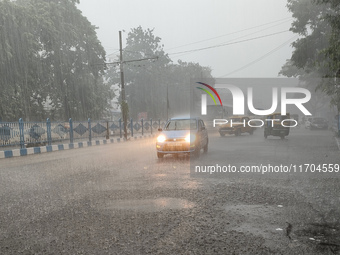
pixel 33 134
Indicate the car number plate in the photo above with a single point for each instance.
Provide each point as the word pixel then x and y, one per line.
pixel 175 144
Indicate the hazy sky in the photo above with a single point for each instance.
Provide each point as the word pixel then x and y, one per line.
pixel 185 25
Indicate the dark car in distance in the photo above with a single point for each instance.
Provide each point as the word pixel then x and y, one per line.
pixel 318 123
pixel 236 125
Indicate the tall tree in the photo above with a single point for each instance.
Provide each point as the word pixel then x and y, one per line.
pixel 50 57
pixel 317 51
pixel 145 80
pixel 157 87
pixel 182 75
pixel 18 62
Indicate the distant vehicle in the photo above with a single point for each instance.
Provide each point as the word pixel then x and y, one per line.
pixel 236 125
pixel 182 135
pixel 318 123
pixel 274 125
pixel 308 121
pixel 295 117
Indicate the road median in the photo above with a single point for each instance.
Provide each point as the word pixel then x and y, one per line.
pixel 58 147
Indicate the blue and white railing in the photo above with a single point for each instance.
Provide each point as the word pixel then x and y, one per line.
pixel 34 134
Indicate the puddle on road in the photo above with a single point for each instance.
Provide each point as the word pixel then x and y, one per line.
pixel 326 235
pixel 150 205
pixel 260 220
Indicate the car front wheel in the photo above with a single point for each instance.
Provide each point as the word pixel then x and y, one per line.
pixel 205 148
pixel 196 152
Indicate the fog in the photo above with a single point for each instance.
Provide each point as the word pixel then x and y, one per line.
pixel 224 35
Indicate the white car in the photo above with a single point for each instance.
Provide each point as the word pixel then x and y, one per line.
pixel 182 135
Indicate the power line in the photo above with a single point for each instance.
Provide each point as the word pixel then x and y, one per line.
pixel 254 32
pixel 131 51
pixel 132 60
pixel 260 58
pixel 285 20
pixel 220 45
pixel 226 44
pixel 241 36
pixel 108 55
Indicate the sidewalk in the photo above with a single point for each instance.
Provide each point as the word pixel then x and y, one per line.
pixel 337 140
pixel 57 147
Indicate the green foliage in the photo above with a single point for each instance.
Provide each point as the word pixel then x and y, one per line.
pixel 51 62
pixel 150 82
pixel 317 52
pixel 144 79
pixel 182 74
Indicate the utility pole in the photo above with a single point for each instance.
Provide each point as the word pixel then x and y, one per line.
pixel 124 105
pixel 121 62
pixel 167 102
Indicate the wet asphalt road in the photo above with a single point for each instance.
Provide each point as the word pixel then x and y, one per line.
pixel 120 199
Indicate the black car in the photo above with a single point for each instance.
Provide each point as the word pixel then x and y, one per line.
pixel 318 123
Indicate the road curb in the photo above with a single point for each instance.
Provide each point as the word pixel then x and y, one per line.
pixel 337 140
pixel 60 147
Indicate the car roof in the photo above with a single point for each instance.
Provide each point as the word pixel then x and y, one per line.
pixel 279 113
pixel 185 118
pixel 239 116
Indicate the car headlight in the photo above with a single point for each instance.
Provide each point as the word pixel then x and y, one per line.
pixel 161 139
pixel 190 138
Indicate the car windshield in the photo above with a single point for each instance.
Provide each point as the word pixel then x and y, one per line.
pixel 280 117
pixel 236 119
pixel 184 124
